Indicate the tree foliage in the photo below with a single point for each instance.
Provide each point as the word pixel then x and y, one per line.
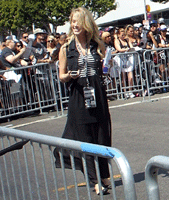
pixel 19 15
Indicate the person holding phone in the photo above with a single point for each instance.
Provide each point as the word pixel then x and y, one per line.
pixel 80 65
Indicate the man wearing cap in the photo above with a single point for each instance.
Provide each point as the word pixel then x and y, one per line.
pixel 8 57
pixel 164 38
pixel 38 49
pixel 153 35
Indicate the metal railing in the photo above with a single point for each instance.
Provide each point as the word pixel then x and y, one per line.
pixel 156 65
pixel 31 174
pixel 125 74
pixel 151 175
pixel 31 88
pixel 37 87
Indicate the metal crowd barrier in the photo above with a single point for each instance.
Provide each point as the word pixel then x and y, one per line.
pixel 125 74
pixel 151 175
pixel 30 173
pixel 31 88
pixel 36 88
pixel 156 65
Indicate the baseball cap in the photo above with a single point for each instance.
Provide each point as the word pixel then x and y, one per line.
pixel 39 30
pixel 108 29
pixel 153 22
pixel 161 21
pixel 12 37
pixel 163 27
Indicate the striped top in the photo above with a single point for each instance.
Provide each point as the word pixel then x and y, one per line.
pixel 91 67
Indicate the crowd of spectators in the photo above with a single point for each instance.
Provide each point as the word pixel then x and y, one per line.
pixel 41 47
pixel 132 38
pixel 30 49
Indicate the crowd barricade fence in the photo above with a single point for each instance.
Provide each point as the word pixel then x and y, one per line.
pixel 30 173
pixel 32 88
pixel 151 175
pixel 156 66
pixel 124 75
pixel 38 87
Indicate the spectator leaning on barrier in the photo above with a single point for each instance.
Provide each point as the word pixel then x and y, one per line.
pixel 164 38
pixel 57 36
pixel 137 34
pixel 160 22
pixel 52 48
pixel 18 47
pixel 125 62
pixel 62 40
pixel 129 31
pixel 2 46
pixel 153 34
pixel 8 56
pixel 164 43
pixel 106 37
pixel 38 49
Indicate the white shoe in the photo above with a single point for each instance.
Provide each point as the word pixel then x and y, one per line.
pixel 157 80
pixel 131 95
pixel 126 95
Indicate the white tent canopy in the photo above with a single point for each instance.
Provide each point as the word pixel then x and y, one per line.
pixel 64 28
pixel 130 8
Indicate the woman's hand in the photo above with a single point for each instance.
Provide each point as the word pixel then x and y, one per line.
pixel 74 75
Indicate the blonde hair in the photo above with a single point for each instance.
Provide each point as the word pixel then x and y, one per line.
pixel 105 35
pixel 127 28
pixel 120 30
pixel 88 23
pixel 52 38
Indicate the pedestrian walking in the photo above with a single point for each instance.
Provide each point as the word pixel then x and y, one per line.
pixel 80 64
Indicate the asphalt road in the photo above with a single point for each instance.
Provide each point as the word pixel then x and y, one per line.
pixel 140 131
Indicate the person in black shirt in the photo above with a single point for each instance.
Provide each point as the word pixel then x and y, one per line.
pixel 153 34
pixel 8 56
pixel 38 49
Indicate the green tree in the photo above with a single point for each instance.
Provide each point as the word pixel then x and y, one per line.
pixel 19 15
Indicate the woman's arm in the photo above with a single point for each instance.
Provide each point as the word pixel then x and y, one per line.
pixel 153 39
pixel 117 46
pixel 64 75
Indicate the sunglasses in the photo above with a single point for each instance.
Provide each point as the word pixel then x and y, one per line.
pixel 50 41
pixel 25 37
pixel 18 45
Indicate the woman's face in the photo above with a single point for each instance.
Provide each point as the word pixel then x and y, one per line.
pixel 108 39
pixel 18 46
pixel 76 26
pixel 164 32
pixel 122 35
pixel 50 41
pixel 136 32
pixel 130 32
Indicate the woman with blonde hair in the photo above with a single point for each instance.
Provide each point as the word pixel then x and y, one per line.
pixel 52 48
pixel 132 40
pixel 125 62
pixel 80 65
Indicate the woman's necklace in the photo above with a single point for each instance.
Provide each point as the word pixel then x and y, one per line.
pixel 81 48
